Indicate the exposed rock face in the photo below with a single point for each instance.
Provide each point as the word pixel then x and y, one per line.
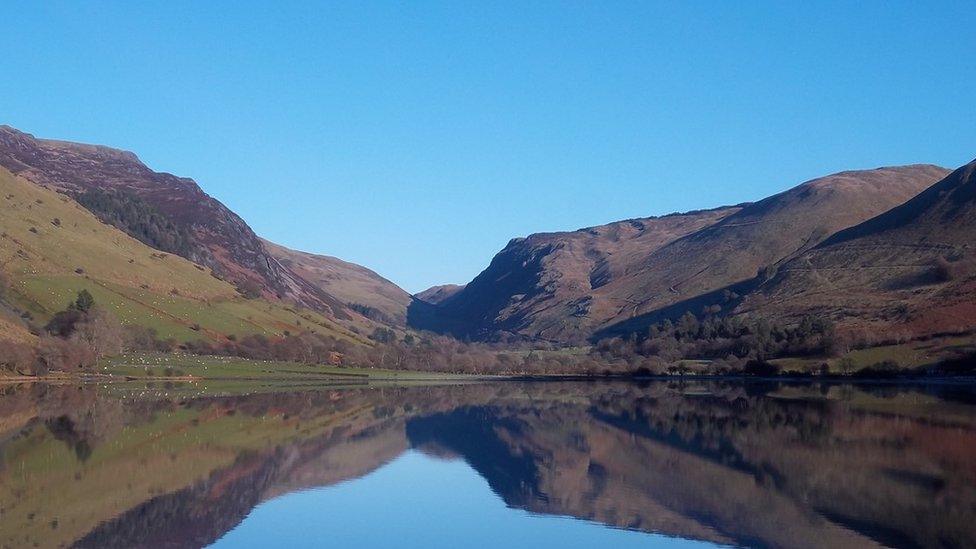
pixel 565 287
pixel 219 238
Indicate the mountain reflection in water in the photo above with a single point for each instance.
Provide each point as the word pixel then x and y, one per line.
pixel 754 464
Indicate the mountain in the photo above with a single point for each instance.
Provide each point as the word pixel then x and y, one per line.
pixel 565 287
pixel 543 286
pixel 911 270
pixel 436 294
pixel 166 212
pixel 51 247
pixel 356 286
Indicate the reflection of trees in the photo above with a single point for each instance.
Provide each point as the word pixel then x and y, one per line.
pixel 753 464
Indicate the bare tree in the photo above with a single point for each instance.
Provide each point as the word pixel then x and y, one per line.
pixel 16 357
pixel 101 332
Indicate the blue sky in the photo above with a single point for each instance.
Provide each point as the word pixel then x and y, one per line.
pixel 417 138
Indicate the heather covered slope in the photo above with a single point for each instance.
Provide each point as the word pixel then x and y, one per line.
pixel 567 286
pixel 544 286
pixel 911 269
pixel 357 286
pixel 51 247
pixel 164 211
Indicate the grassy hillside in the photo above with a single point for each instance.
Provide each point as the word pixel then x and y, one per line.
pixel 51 247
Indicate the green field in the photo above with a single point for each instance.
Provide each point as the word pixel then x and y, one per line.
pixel 144 366
pixel 913 354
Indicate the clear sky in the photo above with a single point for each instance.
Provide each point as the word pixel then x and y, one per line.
pixel 417 138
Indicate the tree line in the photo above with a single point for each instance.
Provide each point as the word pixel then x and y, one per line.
pixel 72 341
pixel 731 344
pixel 139 219
pixel 77 337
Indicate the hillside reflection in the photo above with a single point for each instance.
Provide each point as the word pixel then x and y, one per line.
pixel 733 463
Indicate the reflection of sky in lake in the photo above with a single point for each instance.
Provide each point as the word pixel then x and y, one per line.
pixel 419 501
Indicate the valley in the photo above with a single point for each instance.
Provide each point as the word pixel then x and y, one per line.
pixel 878 260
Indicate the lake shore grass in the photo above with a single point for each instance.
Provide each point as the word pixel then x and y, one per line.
pixel 195 368
pixel 176 367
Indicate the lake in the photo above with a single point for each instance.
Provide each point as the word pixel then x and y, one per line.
pixel 506 464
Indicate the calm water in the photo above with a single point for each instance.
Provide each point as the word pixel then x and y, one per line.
pixel 488 465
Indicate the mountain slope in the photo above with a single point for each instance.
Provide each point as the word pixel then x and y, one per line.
pixel 51 247
pixel 542 286
pixel 353 284
pixel 910 269
pixel 762 235
pixel 436 294
pixel 185 221
pixel 566 286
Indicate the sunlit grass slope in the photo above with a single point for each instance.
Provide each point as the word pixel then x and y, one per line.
pixel 51 248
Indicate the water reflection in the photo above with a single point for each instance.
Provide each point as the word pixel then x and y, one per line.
pixel 729 463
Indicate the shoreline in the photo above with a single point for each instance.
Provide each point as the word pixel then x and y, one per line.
pixel 429 377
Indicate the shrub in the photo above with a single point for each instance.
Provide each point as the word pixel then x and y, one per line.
pixel 883 369
pixel 761 368
pixel 383 335
pixel 944 270
pixel 249 289
pixel 63 323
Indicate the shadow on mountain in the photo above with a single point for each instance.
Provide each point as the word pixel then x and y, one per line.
pixel 725 298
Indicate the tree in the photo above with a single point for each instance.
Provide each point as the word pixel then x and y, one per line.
pixel 383 335
pixel 63 323
pixel 101 332
pixel 84 302
pixel 16 357
pixel 688 325
pixel 66 355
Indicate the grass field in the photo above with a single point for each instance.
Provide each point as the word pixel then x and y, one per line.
pixel 142 366
pixel 909 355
